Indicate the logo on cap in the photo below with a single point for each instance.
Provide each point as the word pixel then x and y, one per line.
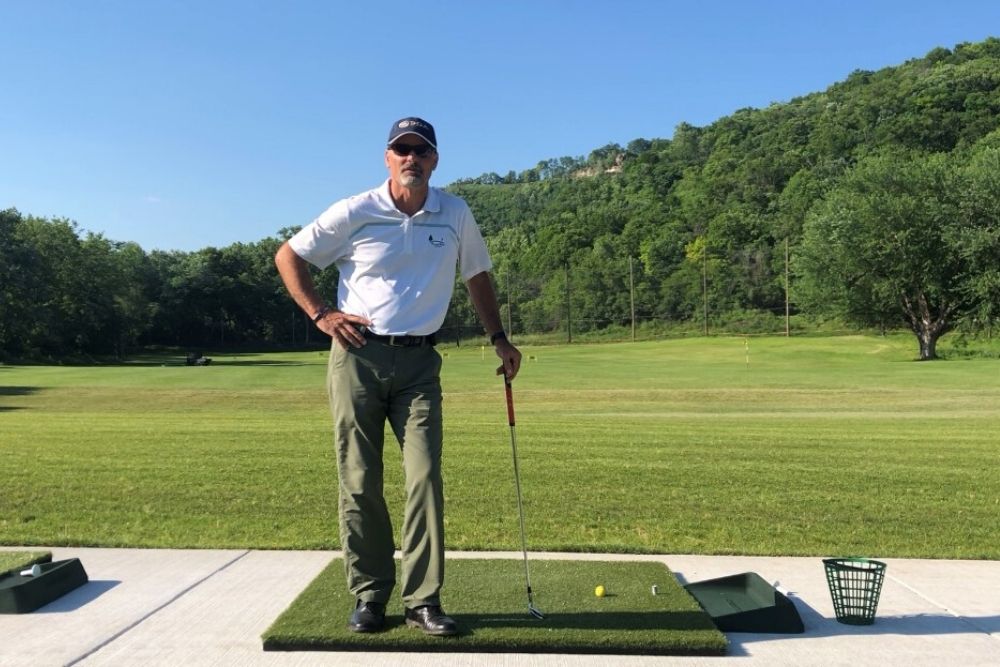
pixel 413 125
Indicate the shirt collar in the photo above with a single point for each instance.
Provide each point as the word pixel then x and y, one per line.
pixel 432 205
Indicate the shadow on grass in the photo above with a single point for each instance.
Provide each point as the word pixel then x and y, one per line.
pixel 175 362
pixel 613 632
pixel 220 358
pixel 16 391
pixel 19 391
pixel 176 357
pixel 263 362
pixel 611 620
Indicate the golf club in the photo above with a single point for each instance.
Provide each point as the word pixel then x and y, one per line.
pixel 520 509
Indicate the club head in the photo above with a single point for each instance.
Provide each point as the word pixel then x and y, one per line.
pixel 534 612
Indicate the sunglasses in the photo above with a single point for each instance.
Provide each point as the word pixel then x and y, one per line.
pixel 402 150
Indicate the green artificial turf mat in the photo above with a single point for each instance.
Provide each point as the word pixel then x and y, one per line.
pixel 488 599
pixel 19 560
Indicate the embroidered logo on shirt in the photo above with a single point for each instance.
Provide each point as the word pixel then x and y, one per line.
pixel 437 243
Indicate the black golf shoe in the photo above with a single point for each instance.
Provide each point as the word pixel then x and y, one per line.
pixel 367 617
pixel 432 620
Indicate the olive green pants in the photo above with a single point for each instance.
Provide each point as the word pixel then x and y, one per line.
pixel 368 385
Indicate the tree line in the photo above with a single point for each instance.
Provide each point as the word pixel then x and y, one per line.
pixel 875 202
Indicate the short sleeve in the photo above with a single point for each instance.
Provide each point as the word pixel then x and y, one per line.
pixel 323 241
pixel 473 256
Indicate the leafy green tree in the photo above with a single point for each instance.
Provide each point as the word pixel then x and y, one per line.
pixel 19 275
pixel 132 291
pixel 882 246
pixel 62 321
pixel 978 240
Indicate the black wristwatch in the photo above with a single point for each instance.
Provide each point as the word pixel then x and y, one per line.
pixel 500 335
pixel 321 313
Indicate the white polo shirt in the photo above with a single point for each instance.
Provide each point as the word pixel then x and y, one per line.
pixel 396 270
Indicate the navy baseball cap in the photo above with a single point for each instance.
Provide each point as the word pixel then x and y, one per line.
pixel 413 125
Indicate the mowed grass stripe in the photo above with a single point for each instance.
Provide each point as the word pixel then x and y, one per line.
pixel 816 447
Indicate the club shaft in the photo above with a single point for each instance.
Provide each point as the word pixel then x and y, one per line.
pixel 520 511
pixel 517 486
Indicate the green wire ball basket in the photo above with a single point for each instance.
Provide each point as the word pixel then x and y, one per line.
pixel 855 586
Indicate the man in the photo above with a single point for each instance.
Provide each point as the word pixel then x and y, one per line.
pixel 397 248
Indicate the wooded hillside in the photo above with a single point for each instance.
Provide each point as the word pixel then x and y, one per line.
pixel 704 230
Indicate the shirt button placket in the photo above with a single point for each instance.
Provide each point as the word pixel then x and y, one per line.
pixel 408 235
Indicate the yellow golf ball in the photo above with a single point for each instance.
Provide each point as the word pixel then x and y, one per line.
pixel 599 591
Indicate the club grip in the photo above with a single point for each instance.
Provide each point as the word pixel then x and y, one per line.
pixel 510 401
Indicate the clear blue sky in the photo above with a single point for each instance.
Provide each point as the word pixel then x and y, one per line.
pixel 181 125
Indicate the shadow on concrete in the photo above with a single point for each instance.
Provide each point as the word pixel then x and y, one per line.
pixel 911 625
pixel 80 597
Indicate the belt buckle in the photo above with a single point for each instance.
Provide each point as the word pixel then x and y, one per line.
pixel 393 343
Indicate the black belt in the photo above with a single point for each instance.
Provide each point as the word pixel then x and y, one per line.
pixel 402 341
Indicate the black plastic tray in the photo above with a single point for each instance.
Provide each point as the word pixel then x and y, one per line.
pixel 22 594
pixel 746 603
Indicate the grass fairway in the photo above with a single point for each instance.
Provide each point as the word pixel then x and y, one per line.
pixel 492 614
pixel 771 446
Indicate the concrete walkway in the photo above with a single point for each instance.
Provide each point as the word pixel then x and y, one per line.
pixel 208 607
